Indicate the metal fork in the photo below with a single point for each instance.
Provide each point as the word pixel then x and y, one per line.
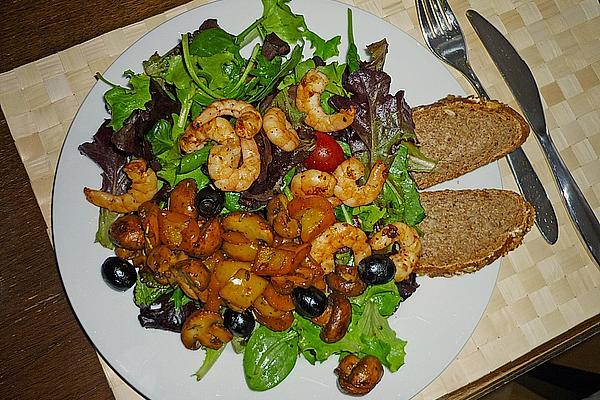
pixel 445 39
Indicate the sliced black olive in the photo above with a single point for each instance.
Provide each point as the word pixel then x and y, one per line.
pixel 310 302
pixel 209 201
pixel 376 269
pixel 118 274
pixel 239 324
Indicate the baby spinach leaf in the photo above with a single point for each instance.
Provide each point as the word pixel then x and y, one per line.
pixel 269 357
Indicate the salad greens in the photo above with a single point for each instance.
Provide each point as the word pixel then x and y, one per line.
pixel 149 116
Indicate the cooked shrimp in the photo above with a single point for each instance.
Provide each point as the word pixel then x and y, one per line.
pixel 279 130
pixel 143 188
pixel 410 247
pixel 346 189
pixel 336 237
pixel 313 182
pixel 308 100
pixel 248 119
pixel 226 173
pixel 217 129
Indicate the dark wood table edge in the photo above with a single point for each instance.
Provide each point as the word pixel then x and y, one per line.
pixel 544 352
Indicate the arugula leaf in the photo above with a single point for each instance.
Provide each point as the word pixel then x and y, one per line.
pixel 352 57
pixel 210 358
pixel 269 357
pixel 123 101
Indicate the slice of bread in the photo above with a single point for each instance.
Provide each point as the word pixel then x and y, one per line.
pixel 464 133
pixel 465 230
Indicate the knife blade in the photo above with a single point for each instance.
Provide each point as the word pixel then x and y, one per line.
pixel 524 88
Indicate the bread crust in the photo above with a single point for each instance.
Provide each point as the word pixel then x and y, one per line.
pixel 505 235
pixel 454 144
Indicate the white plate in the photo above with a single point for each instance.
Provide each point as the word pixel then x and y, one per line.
pixel 436 321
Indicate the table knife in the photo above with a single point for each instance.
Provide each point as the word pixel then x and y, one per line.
pixel 522 84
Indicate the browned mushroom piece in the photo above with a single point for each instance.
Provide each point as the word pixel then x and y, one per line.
pixel 182 199
pixel 272 318
pixel 137 257
pixel 149 213
pixel 339 320
pixel 279 217
pixel 127 232
pixel 209 240
pixel 204 328
pixel 345 280
pixel 192 276
pixel 358 376
pixel 160 261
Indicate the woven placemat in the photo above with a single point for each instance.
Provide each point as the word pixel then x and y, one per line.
pixel 542 290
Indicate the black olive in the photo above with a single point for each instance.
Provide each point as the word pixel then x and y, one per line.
pixel 118 274
pixel 309 303
pixel 376 269
pixel 239 324
pixel 209 201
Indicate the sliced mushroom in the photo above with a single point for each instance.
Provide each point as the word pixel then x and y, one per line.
pixel 127 232
pixel 278 216
pixel 209 239
pixel 358 376
pixel 204 328
pixel 252 226
pixel 160 260
pixel 149 213
pixel 339 320
pixel 274 319
pixel 182 199
pixel 137 257
pixel 345 280
pixel 192 276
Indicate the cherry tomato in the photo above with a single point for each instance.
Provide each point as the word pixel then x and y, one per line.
pixel 327 154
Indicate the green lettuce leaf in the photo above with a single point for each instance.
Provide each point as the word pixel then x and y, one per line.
pixel 210 358
pixel 105 220
pixel 368 334
pixel 279 18
pixel 123 101
pixel 145 295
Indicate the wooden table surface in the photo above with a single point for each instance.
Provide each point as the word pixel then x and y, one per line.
pixel 44 352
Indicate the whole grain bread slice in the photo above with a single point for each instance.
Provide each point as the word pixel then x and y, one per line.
pixel 465 230
pixel 464 133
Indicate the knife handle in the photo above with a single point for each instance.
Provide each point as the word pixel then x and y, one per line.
pixel 527 180
pixel 579 209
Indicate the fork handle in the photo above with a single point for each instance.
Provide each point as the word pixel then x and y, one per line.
pixel 527 180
